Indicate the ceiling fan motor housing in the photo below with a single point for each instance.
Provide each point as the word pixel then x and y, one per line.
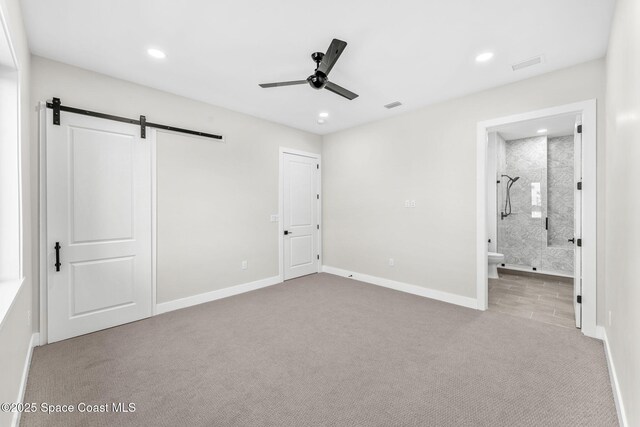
pixel 317 80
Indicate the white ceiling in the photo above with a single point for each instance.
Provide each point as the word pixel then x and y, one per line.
pixel 414 51
pixel 555 126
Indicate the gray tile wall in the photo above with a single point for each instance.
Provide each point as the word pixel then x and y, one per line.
pixel 522 238
pixel 558 255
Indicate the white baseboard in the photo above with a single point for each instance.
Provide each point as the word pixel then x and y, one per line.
pixel 35 339
pixel 615 386
pixel 217 294
pixel 404 287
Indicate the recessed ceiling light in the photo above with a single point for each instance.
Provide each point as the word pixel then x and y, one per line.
pixel 324 115
pixel 542 130
pixel 156 53
pixel 484 57
pixel 320 121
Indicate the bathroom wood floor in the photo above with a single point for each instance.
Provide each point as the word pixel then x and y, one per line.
pixel 544 300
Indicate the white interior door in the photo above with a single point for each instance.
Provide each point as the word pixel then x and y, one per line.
pixel 577 224
pixel 99 212
pixel 300 215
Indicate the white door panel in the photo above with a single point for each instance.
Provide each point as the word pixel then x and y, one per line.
pixel 300 215
pixel 101 285
pixel 101 185
pixel 99 210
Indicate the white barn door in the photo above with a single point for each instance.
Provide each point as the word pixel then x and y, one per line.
pixel 300 215
pixel 99 218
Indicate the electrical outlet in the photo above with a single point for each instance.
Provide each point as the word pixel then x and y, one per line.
pixel 244 264
pixel 274 218
pixel 392 262
pixel 407 203
pixel 412 204
pixel 28 317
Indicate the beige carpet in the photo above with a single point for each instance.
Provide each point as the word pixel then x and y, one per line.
pixel 327 351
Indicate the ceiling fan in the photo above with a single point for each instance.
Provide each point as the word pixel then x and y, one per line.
pixel 320 78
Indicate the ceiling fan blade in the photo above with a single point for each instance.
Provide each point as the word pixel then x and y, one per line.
pixel 291 83
pixel 340 91
pixel 331 57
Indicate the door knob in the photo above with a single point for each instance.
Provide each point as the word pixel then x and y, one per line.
pixel 287 232
pixel 572 240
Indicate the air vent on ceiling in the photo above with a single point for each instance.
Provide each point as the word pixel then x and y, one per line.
pixel 393 105
pixel 528 63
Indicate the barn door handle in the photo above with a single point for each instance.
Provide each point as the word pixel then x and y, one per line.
pixel 57 248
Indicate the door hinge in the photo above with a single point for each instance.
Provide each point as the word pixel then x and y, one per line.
pixel 318 196
pixel 317 166
pixel 56 111
pixel 143 127
pixel 579 242
pixel 579 299
pixel 318 256
pixel 579 128
pixel 580 185
pixel 318 226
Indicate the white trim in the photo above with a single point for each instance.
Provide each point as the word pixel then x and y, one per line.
pixel 589 231
pixel 154 221
pixel 25 375
pixel 613 376
pixel 404 287
pixel 16 69
pixel 215 295
pixel 44 256
pixel 318 158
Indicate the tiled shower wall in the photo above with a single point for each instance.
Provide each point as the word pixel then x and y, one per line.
pixel 522 237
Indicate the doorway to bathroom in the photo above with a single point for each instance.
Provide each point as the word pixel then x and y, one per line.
pixel 533 170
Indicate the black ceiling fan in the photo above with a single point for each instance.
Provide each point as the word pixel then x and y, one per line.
pixel 319 79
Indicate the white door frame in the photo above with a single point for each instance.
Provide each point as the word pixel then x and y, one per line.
pixel 589 225
pixel 318 159
pixel 43 250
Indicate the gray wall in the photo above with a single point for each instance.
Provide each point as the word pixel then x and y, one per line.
pixel 214 199
pixel 623 203
pixel 430 155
